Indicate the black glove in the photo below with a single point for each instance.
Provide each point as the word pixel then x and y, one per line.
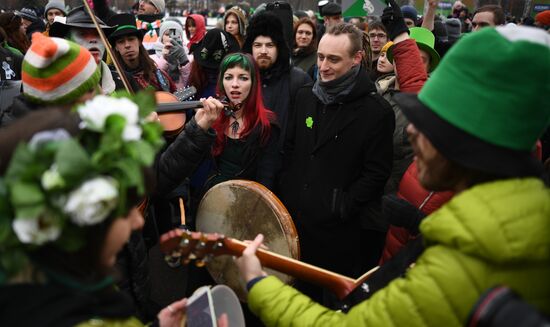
pixel 177 54
pixel 401 213
pixel 392 18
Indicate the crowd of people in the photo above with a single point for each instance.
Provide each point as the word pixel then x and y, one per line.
pixel 414 143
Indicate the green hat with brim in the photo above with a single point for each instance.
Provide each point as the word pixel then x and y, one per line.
pixel 425 40
pixel 487 112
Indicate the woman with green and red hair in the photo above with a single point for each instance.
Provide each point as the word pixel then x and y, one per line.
pixel 247 135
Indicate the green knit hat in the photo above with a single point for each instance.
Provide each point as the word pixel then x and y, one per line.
pixel 482 110
pixel 425 40
pixel 57 71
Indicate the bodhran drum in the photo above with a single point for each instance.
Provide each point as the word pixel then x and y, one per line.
pixel 242 209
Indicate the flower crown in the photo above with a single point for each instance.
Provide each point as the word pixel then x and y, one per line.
pixel 57 185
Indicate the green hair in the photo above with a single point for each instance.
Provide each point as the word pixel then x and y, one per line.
pixel 237 59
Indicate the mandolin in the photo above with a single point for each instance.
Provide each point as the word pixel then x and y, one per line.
pixel 182 245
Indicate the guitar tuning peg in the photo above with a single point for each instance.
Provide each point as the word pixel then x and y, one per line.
pixel 173 260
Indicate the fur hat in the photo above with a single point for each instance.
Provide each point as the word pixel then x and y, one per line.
pixel 267 24
pixel 55 4
pixel 471 111
pixel 57 71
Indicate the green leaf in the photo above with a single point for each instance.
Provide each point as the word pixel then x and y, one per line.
pixel 26 194
pixel 21 159
pixel 72 161
pixel 11 262
pixel 145 152
pixel 145 101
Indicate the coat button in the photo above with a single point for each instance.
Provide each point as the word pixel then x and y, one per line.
pixel 306 186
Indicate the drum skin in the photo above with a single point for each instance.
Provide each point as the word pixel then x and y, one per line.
pixel 242 209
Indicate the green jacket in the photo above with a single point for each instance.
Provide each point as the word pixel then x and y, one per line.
pixel 492 234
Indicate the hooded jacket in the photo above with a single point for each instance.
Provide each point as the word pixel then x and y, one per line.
pixel 492 234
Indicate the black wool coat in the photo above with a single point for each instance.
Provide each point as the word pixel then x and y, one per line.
pixel 336 164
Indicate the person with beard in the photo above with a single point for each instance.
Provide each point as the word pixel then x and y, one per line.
pixel 149 18
pixel 337 157
pixel 280 81
pixel 304 55
pixel 126 40
pixel 79 28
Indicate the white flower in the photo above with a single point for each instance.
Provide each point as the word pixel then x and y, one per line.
pixel 36 230
pixel 92 201
pixel 52 179
pixel 96 111
pixel 131 133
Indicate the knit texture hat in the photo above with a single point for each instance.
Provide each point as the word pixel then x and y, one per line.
pixel 171 25
pixel 55 4
pixel 28 13
pixel 453 29
pixel 57 71
pixel 410 12
pixel 543 18
pixel 487 114
pixel 159 4
pixel 331 9
pixel 440 31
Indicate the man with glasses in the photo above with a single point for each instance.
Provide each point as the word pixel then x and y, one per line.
pixel 378 38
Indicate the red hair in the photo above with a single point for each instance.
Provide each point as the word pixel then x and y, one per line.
pixel 255 115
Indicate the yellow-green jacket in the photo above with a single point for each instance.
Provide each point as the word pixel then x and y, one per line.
pixel 496 233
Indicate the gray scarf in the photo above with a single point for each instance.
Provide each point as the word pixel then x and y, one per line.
pixel 333 91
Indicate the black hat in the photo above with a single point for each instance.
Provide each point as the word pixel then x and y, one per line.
pixel 215 45
pixel 124 24
pixel 78 17
pixel 28 13
pixel 267 24
pixel 331 9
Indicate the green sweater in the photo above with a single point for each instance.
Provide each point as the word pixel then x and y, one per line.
pixel 492 234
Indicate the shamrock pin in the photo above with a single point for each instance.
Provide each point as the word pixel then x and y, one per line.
pixel 309 122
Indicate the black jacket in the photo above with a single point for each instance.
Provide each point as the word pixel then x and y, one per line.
pixel 261 162
pixel 20 107
pixel 334 169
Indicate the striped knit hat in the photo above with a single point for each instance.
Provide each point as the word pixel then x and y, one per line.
pixel 57 71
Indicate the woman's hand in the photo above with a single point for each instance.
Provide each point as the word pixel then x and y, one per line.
pixel 248 263
pixel 173 315
pixel 210 111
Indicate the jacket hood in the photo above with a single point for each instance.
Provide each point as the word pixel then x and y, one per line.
pixel 200 30
pixel 505 221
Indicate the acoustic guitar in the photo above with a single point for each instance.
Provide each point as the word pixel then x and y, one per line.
pixel 184 246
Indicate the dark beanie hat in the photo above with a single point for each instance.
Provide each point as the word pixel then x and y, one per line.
pixel 267 24
pixel 410 12
pixel 331 9
pixel 453 28
pixel 440 31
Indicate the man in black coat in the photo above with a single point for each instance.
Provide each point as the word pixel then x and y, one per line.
pixel 280 81
pixel 338 155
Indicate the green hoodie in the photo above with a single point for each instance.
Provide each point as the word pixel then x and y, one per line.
pixel 492 234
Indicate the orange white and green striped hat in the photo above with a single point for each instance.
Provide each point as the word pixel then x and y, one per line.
pixel 57 71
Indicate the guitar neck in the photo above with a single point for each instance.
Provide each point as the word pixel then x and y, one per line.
pixel 340 285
